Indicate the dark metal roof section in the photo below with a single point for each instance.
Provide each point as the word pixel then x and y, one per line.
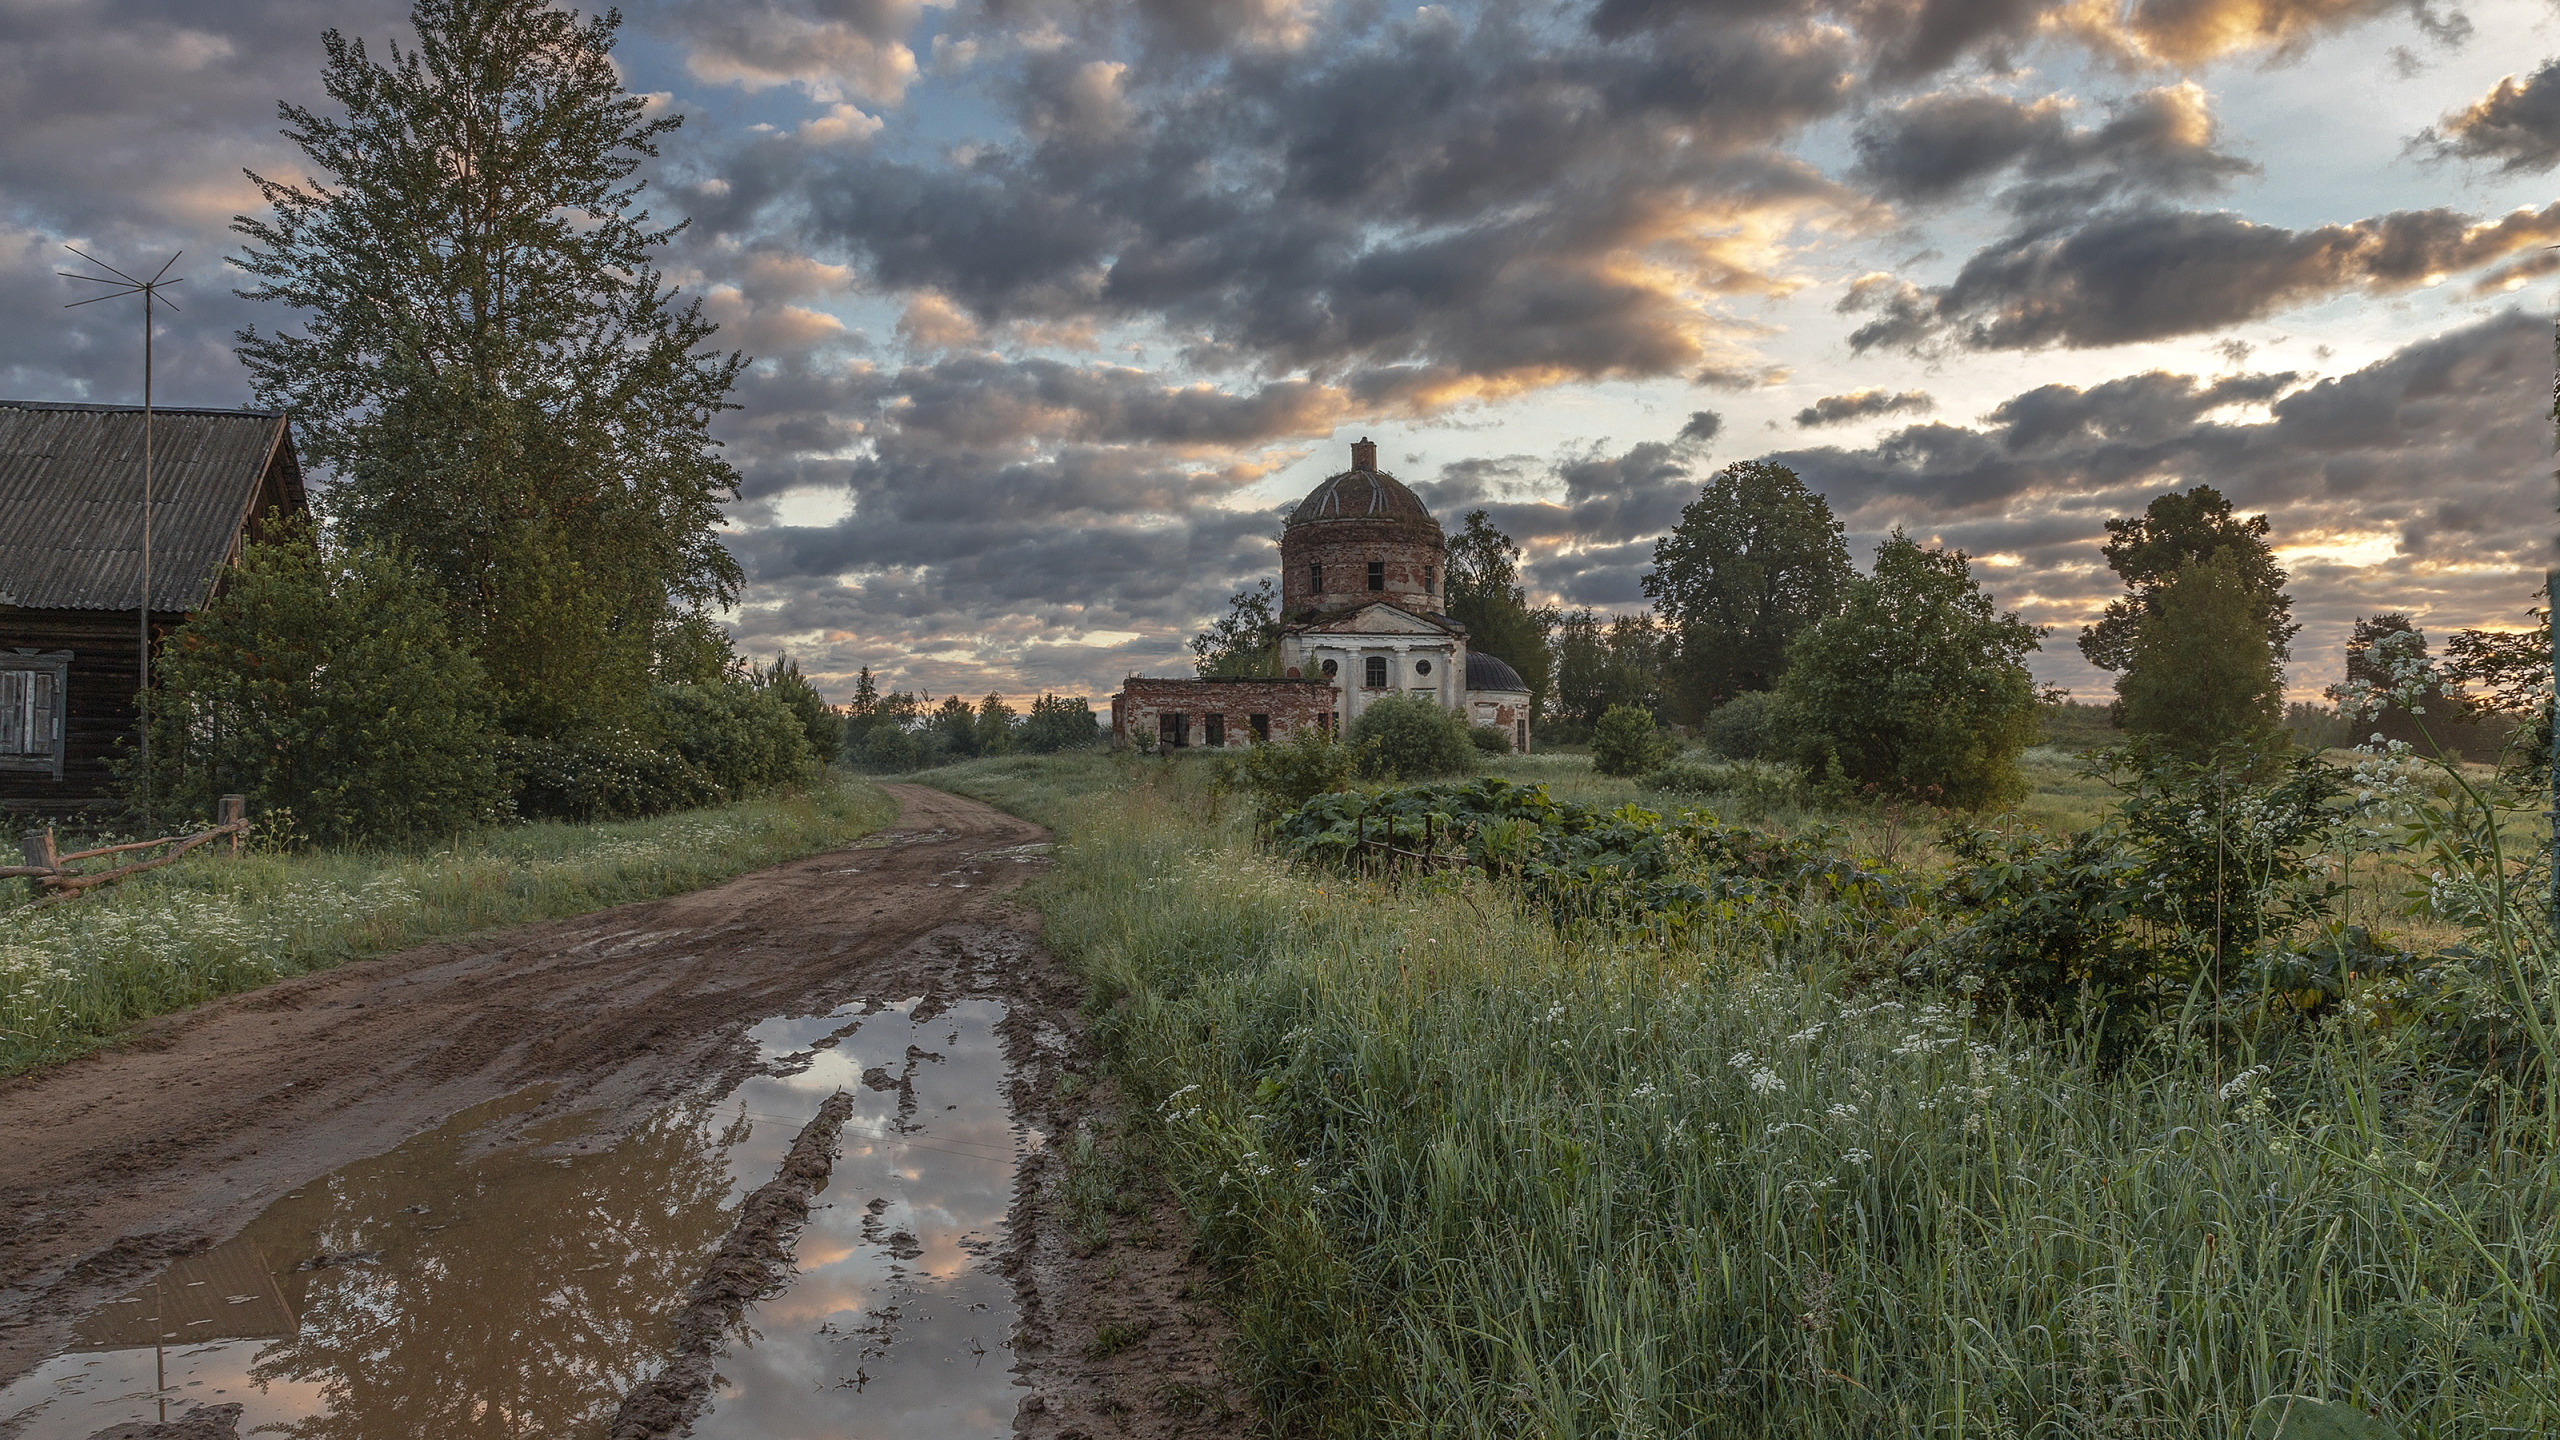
pixel 71 500
pixel 1490 672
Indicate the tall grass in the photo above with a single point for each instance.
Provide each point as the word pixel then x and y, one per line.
pixel 1475 1177
pixel 73 973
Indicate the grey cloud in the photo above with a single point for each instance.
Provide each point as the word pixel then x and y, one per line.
pixel 2516 125
pixel 831 48
pixel 1010 501
pixel 2150 274
pixel 1703 426
pixel 2427 445
pixel 1862 405
pixel 1590 546
pixel 2162 141
pixel 1414 209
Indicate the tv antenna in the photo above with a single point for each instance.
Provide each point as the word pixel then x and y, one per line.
pixel 119 285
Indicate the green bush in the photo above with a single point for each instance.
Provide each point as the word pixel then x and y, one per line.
pixel 1746 787
pixel 602 774
pixel 2205 873
pixel 1406 738
pixel 1283 776
pixel 324 682
pixel 1489 739
pixel 743 739
pixel 1058 722
pixel 1625 742
pixel 1919 687
pixel 888 749
pixel 821 724
pixel 1747 727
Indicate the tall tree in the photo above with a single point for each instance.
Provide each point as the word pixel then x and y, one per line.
pixel 1606 661
pixel 2147 551
pixel 488 360
pixel 1483 593
pixel 1754 560
pixel 1918 686
pixel 2203 672
pixel 1244 643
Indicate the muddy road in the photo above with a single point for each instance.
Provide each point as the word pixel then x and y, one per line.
pixel 520 1075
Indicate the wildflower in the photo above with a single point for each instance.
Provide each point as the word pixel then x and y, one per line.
pixel 1841 1114
pixel 1856 1157
pixel 1765 1081
pixel 2242 1083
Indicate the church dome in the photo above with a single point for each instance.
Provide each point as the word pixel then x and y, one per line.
pixel 1363 492
pixel 1491 672
pixel 1357 538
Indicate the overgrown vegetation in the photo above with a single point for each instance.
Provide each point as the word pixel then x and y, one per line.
pixel 71 975
pixel 1608 1122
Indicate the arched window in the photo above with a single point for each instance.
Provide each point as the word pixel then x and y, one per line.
pixel 1377 672
pixel 1331 669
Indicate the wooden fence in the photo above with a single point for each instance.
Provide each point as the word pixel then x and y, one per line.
pixel 56 877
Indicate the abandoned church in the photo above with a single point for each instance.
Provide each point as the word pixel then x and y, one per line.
pixel 1361 567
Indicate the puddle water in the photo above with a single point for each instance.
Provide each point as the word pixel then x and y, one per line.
pixel 439 1290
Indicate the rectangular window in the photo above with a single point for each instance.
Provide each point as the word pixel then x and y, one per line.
pixel 1213 731
pixel 1377 676
pixel 1173 731
pixel 1315 579
pixel 1430 578
pixel 1377 574
pixel 1261 728
pixel 33 688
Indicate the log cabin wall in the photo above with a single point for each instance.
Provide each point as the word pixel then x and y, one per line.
pixel 70 558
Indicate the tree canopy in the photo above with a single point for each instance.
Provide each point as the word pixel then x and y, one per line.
pixel 1605 661
pixel 2149 550
pixel 2202 673
pixel 1919 685
pixel 488 359
pixel 1755 559
pixel 1483 593
pixel 1244 643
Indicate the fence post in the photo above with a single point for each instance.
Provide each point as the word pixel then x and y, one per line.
pixel 234 811
pixel 38 848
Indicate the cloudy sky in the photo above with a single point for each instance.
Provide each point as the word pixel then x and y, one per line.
pixel 1056 304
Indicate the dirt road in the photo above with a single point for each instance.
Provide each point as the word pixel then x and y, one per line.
pixel 115 1164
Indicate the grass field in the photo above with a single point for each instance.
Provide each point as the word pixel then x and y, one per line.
pixel 1471 1175
pixel 74 973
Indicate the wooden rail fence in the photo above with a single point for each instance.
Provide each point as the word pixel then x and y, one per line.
pixel 55 876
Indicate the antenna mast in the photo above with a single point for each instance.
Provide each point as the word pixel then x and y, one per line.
pixel 119 285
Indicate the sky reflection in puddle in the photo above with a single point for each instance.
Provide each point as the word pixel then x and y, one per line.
pixel 900 1323
pixel 433 1291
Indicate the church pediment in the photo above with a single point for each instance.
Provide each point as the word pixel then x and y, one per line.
pixel 1379 618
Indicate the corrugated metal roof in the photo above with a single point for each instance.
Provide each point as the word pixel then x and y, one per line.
pixel 71 500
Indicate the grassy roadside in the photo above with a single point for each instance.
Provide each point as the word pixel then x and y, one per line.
pixel 72 975
pixel 1471 1176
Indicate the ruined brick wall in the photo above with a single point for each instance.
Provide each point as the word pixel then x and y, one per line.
pixel 1505 710
pixel 1413 554
pixel 1197 714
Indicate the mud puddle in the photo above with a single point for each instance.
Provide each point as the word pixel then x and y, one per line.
pixel 458 1287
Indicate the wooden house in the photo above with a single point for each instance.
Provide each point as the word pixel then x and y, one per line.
pixel 71 568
